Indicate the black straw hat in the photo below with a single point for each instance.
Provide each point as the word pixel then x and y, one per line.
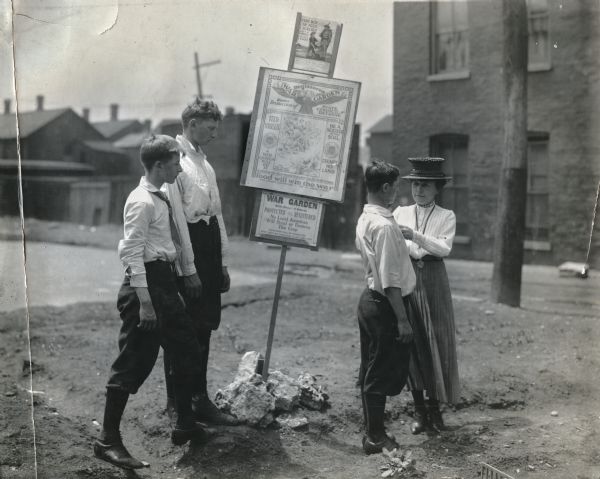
pixel 426 168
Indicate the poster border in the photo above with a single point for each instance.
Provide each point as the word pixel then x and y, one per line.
pixel 339 198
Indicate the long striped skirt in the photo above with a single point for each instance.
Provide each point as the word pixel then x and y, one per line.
pixel 434 367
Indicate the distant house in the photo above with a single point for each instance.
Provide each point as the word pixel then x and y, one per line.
pixel 104 156
pixel 44 134
pixel 54 190
pixel 115 129
pixel 70 172
pixel 131 144
pixel 380 139
pixel 170 126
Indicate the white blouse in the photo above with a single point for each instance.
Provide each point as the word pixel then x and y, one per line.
pixel 435 232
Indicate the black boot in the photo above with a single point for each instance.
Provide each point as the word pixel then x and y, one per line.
pixel 421 422
pixel 376 438
pixel 110 446
pixel 206 411
pixel 187 428
pixel 435 415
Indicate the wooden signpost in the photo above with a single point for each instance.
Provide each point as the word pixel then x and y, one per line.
pixel 299 146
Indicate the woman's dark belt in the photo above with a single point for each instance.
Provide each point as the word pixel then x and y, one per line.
pixel 428 257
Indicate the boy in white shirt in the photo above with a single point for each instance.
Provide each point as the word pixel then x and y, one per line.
pixel 385 332
pixel 151 310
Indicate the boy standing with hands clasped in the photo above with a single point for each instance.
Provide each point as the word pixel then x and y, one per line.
pixel 151 310
pixel 385 332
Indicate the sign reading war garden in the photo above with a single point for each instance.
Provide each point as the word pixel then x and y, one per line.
pixel 282 218
pixel 300 134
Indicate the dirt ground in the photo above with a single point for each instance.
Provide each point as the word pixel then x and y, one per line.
pixel 530 401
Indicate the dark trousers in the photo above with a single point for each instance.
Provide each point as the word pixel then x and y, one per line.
pixel 139 349
pixel 384 361
pixel 205 311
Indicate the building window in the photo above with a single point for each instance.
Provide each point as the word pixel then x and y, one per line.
pixel 455 195
pixel 539 35
pixel 449 37
pixel 536 216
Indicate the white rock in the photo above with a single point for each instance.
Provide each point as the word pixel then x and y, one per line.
pixel 292 422
pixel 554 413
pixel 252 403
pixel 247 366
pixel 285 390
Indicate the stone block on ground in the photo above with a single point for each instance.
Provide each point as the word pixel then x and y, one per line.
pixel 252 403
pixel 292 421
pixel 247 366
pixel 285 389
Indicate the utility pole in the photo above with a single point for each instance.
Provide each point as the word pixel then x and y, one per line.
pixel 510 222
pixel 197 66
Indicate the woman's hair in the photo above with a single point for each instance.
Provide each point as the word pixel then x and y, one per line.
pixel 378 173
pixel 201 109
pixel 439 184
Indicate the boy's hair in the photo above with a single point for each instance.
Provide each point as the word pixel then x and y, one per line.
pixel 201 109
pixel 157 148
pixel 378 173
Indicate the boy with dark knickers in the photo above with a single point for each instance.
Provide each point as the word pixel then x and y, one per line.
pixel 151 310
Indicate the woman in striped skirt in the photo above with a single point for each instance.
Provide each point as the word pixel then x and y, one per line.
pixel 429 231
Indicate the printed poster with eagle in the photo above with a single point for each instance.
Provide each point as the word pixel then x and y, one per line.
pixel 300 134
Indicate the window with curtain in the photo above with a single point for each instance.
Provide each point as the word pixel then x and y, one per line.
pixel 449 37
pixel 455 195
pixel 536 216
pixel 539 35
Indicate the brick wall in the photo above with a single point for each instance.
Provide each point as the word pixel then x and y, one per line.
pixel 563 102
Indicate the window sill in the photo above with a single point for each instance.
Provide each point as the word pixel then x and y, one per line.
pixel 447 76
pixel 464 240
pixel 539 67
pixel 537 245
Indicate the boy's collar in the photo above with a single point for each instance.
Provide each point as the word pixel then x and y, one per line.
pixel 377 209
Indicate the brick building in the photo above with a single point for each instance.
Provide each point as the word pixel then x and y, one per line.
pixel 380 139
pixel 448 101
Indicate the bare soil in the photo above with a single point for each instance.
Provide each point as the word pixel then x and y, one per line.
pixel 518 366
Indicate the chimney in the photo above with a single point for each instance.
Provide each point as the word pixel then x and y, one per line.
pixel 114 111
pixel 148 125
pixel 86 114
pixel 40 102
pixel 7 106
pixel 229 111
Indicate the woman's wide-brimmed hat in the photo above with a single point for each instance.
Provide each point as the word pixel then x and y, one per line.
pixel 427 168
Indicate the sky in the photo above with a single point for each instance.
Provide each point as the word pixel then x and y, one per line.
pixel 140 54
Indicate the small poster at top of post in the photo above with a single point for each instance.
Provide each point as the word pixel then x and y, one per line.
pixel 315 45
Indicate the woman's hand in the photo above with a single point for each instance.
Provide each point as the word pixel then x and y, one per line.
pixel 407 232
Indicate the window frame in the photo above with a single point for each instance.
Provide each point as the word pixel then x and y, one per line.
pixel 447 74
pixel 546 63
pixel 533 229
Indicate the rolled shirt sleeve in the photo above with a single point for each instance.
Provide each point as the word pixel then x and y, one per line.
pixel 137 217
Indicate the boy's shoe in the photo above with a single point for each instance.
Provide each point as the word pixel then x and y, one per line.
pixel 116 454
pixel 197 432
pixel 375 447
pixel 205 411
pixel 421 422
